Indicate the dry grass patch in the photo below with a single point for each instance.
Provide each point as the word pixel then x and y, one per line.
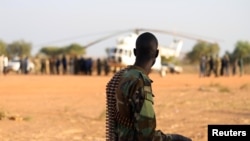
pixel 245 86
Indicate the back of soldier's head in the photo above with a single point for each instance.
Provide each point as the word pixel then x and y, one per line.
pixel 146 46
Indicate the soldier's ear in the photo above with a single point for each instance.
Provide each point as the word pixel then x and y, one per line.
pixel 134 51
pixel 157 53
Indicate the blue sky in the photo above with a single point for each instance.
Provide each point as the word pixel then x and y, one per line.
pixel 62 22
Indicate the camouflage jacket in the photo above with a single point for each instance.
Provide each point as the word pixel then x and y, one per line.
pixel 134 102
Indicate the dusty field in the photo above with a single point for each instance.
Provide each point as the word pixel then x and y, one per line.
pixel 72 108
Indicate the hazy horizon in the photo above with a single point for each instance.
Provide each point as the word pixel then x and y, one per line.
pixel 62 22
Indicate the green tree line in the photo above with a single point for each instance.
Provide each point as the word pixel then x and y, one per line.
pixel 23 48
pixel 16 48
pixel 73 49
pixel 241 50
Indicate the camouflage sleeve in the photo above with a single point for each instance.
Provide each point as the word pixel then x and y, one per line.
pixel 144 115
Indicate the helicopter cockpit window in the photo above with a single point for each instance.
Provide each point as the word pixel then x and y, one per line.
pixel 120 42
pixel 125 52
pixel 120 51
pixel 119 60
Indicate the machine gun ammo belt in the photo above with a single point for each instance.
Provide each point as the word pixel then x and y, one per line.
pixel 124 121
pixel 111 112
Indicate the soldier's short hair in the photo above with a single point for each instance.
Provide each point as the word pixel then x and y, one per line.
pixel 146 46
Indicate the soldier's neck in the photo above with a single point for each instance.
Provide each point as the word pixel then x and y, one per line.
pixel 145 66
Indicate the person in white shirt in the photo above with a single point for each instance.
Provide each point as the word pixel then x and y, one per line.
pixel 5 64
pixel 1 64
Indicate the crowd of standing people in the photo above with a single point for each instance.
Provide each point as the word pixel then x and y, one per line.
pixel 59 65
pixel 220 66
pixel 82 65
pixel 75 65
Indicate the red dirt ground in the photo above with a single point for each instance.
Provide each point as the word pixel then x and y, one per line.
pixel 72 108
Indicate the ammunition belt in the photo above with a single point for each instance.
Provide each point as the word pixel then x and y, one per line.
pixel 124 121
pixel 111 112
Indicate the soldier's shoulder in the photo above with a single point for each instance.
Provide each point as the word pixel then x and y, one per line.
pixel 135 74
pixel 132 73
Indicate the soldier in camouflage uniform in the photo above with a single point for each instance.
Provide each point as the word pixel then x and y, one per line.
pixel 130 114
pixel 217 66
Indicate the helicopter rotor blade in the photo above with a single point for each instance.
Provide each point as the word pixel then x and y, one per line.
pixel 104 38
pixel 137 30
pixel 188 36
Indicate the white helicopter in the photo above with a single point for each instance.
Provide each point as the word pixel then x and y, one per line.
pixel 122 55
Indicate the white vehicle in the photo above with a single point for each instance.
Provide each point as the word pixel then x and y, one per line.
pixel 15 64
pixel 171 68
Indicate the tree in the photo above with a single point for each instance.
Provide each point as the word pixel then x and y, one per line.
pixel 242 49
pixel 2 48
pixel 74 49
pixel 202 48
pixel 171 59
pixel 51 51
pixel 19 48
pixel 214 49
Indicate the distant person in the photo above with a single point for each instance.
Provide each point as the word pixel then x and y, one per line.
pixel 37 64
pixel 1 63
pixel 22 67
pixel 130 113
pixel 43 66
pixel 89 65
pixel 58 64
pixel 82 63
pixel 64 64
pixel 99 66
pixel 25 65
pixel 5 64
pixel 106 67
pixel 226 65
pixel 207 65
pixel 47 68
pixel 217 66
pixel 234 67
pixel 52 65
pixel 203 61
pixel 211 65
pixel 71 65
pixel 77 65
pixel 222 66
pixel 241 66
